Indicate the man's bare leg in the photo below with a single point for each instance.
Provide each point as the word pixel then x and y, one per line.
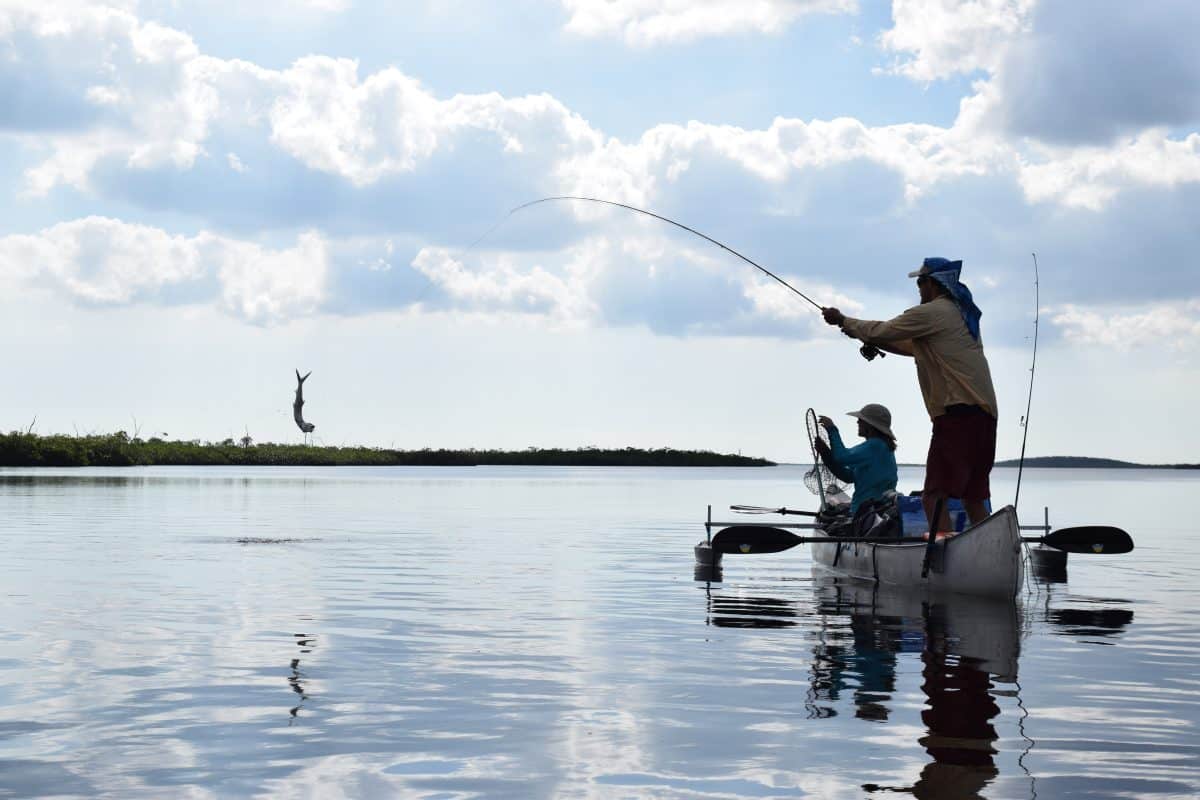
pixel 976 511
pixel 930 501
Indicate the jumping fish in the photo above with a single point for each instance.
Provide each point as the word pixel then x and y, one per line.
pixel 298 405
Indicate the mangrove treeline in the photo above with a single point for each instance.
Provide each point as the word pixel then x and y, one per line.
pixel 18 449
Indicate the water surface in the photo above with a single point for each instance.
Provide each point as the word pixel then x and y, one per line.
pixel 537 632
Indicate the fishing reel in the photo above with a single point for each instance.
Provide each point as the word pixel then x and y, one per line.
pixel 870 351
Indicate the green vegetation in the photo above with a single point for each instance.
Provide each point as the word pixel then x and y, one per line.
pixel 19 449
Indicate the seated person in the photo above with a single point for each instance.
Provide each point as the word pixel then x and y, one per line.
pixel 870 466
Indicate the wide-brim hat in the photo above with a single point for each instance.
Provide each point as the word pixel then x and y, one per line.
pixel 877 416
pixel 935 265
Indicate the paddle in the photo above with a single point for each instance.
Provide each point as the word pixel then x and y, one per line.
pixel 1088 539
pixel 765 510
pixel 765 539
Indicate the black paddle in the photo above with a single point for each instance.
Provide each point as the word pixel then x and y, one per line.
pixel 1089 539
pixel 765 510
pixel 765 539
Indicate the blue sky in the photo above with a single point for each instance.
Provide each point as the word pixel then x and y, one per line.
pixel 199 197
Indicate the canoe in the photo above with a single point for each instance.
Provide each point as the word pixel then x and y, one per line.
pixel 984 560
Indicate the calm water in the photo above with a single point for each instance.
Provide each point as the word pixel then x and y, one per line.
pixel 529 633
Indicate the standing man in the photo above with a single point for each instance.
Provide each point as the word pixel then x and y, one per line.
pixel 942 336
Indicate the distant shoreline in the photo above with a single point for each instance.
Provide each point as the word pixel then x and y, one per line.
pixel 1078 462
pixel 119 450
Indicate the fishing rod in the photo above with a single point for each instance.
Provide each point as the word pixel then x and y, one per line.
pixel 724 247
pixel 1032 368
pixel 869 352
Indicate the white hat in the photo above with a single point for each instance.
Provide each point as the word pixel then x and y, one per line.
pixel 877 416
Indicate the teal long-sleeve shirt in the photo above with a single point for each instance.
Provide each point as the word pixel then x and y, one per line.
pixel 870 466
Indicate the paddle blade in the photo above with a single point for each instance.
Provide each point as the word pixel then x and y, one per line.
pixel 753 539
pixel 1091 539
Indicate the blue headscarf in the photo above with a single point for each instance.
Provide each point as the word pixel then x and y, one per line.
pixel 946 273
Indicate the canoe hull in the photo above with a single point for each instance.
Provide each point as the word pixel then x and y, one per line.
pixel 984 560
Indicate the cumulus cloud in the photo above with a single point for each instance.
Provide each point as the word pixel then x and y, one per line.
pixel 365 156
pixel 1090 78
pixel 143 94
pixel 263 285
pixel 1172 325
pixel 364 129
pixel 643 278
pixel 922 154
pixel 102 261
pixel 938 39
pixel 163 105
pixel 650 22
pixel 500 285
pixel 1052 73
pixel 1090 177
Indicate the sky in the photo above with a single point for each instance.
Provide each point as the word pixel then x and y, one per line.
pixel 199 198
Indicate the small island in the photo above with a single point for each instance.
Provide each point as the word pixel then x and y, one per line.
pixel 1085 462
pixel 20 449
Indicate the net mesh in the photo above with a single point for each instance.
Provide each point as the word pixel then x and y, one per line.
pixel 819 477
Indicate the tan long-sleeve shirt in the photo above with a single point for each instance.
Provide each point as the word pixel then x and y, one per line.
pixel 951 366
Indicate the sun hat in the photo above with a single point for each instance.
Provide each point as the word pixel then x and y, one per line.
pixel 932 265
pixel 947 272
pixel 877 416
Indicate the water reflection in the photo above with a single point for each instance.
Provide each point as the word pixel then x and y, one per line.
pixel 969 652
pixel 296 680
pixel 731 611
pixel 485 636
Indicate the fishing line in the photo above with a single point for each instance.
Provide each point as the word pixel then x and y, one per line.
pixel 1032 369
pixel 869 352
pixel 707 238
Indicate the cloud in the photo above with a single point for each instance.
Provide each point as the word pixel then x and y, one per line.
pixel 354 158
pixel 941 38
pixel 365 129
pixel 1090 78
pixel 161 110
pixel 102 261
pixel 138 90
pixel 262 285
pixel 1054 74
pixel 141 99
pixel 651 22
pixel 1091 177
pixel 643 280
pixel 500 285
pixel 1175 326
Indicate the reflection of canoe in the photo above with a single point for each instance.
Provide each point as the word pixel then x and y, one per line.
pixel 967 647
pixel 984 629
pixel 984 560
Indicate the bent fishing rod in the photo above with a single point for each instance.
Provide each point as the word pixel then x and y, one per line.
pixel 869 352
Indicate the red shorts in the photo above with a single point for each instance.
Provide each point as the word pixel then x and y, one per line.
pixel 961 453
